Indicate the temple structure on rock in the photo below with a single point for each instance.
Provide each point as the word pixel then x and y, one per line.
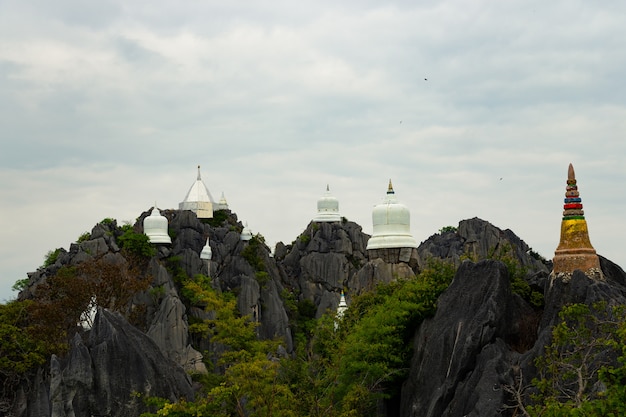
pixel 222 204
pixel 198 199
pixel 574 250
pixel 206 252
pixel 327 208
pixel 246 233
pixel 391 238
pixel 343 306
pixel 155 227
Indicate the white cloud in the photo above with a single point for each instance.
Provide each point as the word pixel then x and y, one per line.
pixel 106 108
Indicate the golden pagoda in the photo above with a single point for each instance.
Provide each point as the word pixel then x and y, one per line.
pixel 574 250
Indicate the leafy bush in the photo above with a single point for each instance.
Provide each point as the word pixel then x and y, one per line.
pixel 448 229
pixel 51 257
pixel 252 253
pixel 135 243
pixel 219 218
pixel 21 347
pixel 83 237
pixel 583 370
pixel 20 284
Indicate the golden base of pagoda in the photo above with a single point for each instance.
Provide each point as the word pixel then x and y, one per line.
pixel 569 260
pixel 575 251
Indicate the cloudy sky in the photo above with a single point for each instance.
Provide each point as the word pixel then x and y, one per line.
pixel 472 108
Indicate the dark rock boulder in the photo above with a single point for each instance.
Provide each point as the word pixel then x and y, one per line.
pixel 323 261
pixel 107 374
pixel 476 239
pixel 459 358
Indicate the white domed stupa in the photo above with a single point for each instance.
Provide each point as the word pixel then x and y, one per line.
pixel 327 208
pixel 392 226
pixel 198 199
pixel 206 253
pixel 155 227
pixel 246 233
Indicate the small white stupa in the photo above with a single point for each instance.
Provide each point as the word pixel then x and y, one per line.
pixel 198 199
pixel 327 208
pixel 342 307
pixel 246 233
pixel 222 204
pixel 392 225
pixel 155 227
pixel 206 253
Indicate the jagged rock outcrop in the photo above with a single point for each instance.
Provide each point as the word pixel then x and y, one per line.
pixel 107 374
pixel 170 331
pixel 323 261
pixel 461 350
pixel 479 340
pixel 477 239
pixel 159 312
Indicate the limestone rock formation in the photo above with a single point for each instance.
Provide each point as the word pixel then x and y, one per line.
pixel 107 373
pixel 460 353
pixel 483 337
pixel 477 239
pixel 323 261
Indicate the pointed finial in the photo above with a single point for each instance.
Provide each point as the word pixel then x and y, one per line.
pixel 390 188
pixel 570 173
pixel 199 172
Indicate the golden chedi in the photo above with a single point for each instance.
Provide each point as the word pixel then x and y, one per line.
pixel 575 250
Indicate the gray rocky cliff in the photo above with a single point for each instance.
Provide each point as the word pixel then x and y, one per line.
pixel 459 353
pixel 107 374
pixel 323 261
pixel 483 338
pixel 476 239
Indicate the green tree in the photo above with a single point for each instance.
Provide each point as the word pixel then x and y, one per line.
pixel 583 370
pixel 251 384
pixel 135 243
pixel 21 347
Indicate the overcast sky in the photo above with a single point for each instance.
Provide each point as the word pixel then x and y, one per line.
pixel 472 108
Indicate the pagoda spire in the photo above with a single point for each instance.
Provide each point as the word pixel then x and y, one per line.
pixel 575 250
pixel 390 188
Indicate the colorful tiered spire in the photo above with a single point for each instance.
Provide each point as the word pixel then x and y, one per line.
pixel 575 250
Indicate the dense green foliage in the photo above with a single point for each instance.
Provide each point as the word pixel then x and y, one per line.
pixel 83 237
pixel 253 253
pixel 135 242
pixel 448 229
pixel 583 370
pixel 32 330
pixel 219 218
pixel 51 257
pixel 341 367
pixel 20 347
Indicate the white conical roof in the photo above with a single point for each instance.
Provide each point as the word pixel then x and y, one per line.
pixel 198 199
pixel 155 227
pixel 206 251
pixel 327 208
pixel 392 224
